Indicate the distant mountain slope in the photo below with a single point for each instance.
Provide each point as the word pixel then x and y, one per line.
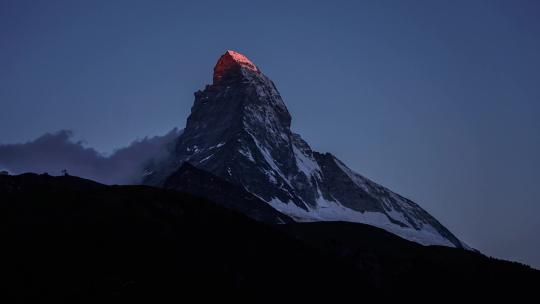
pixel 72 240
pixel 397 264
pixel 239 130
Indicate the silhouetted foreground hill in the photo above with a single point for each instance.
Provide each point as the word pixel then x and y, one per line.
pixel 74 240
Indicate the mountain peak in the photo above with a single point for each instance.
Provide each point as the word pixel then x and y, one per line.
pixel 230 60
pixel 239 130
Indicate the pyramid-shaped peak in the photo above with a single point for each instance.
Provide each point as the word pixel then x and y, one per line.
pixel 232 59
pixel 239 131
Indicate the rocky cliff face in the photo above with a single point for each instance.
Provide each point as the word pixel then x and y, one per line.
pixel 239 130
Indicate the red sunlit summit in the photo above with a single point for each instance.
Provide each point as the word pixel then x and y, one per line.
pixel 232 59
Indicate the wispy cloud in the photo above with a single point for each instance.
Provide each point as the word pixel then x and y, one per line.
pixel 55 152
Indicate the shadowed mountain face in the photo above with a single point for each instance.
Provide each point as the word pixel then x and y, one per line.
pixel 239 130
pixel 195 181
pixel 74 240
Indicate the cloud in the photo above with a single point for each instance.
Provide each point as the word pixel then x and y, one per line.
pixel 55 152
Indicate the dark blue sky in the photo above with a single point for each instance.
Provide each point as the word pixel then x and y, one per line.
pixel 438 100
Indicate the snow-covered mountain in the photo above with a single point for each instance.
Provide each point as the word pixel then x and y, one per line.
pixel 239 130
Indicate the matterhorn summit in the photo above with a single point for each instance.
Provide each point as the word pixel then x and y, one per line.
pixel 232 59
pixel 239 131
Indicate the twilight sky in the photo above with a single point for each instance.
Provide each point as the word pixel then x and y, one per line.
pixel 437 100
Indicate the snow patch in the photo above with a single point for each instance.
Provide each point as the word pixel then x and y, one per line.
pixel 269 159
pixel 247 153
pixel 333 211
pixel 206 158
pixel 306 164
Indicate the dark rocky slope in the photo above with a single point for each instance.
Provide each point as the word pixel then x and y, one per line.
pixel 67 239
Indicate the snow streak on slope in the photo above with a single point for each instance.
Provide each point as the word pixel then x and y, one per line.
pixel 333 211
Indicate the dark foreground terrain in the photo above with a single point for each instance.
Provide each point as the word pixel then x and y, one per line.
pixel 67 239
